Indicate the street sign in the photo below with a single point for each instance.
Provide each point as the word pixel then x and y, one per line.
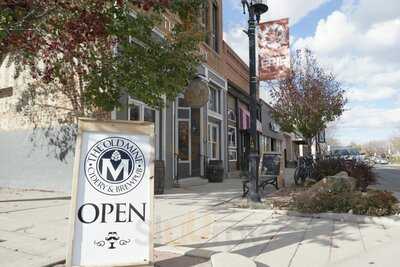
pixel 112 195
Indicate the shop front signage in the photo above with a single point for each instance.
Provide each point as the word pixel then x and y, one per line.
pixel 112 195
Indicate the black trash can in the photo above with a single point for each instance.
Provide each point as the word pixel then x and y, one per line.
pixel 215 171
pixel 159 177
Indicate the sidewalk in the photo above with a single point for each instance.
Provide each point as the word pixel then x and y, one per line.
pixel 192 223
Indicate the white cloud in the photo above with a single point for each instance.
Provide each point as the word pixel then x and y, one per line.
pixel 370 94
pixel 294 10
pixel 360 44
pixel 238 40
pixel 332 35
pixel 364 13
pixel 364 118
pixel 361 57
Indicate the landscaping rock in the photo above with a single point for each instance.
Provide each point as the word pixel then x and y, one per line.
pixel 342 174
pixel 335 184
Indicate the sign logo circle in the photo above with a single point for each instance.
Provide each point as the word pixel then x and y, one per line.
pixel 114 166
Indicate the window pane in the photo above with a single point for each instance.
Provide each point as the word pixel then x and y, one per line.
pixel 183 113
pixel 215 149
pixel 183 144
pixel 231 137
pixel 231 115
pixel 134 112
pixel 214 134
pixel 149 115
pixel 213 103
pixel 214 29
pixel 232 155
pixel 182 102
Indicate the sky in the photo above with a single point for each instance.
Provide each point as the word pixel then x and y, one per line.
pixel 358 40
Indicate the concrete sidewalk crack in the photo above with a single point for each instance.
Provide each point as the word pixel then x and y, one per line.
pixel 251 232
pixel 230 226
pixel 361 238
pixel 299 243
pixel 214 221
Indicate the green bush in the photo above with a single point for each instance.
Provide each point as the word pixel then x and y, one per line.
pixel 361 171
pixel 372 203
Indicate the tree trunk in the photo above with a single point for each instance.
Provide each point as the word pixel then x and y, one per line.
pixel 309 146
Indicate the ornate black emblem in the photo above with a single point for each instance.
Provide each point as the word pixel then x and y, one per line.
pixel 113 241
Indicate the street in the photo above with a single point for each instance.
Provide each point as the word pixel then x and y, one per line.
pixel 388 177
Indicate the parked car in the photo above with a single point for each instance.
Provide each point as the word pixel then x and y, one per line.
pixel 370 161
pixel 347 153
pixel 379 160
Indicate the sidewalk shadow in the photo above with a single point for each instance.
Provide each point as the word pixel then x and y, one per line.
pixel 279 238
pixel 181 261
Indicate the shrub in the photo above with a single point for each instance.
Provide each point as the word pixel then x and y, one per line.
pixel 372 203
pixel 363 174
pixel 328 167
pixel 375 203
pixel 361 171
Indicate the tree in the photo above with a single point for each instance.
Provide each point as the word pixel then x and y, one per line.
pixel 308 98
pixel 82 55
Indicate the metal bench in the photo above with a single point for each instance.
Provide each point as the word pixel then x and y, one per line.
pixel 269 170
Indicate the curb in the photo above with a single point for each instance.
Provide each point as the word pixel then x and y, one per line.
pixel 58 262
pixel 342 217
pixel 345 217
pixel 35 199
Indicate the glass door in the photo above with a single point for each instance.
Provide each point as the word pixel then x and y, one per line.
pixel 213 141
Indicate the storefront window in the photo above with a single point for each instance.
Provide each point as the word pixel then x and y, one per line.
pixel 149 115
pixel 183 142
pixel 213 103
pixel 231 115
pixel 265 144
pixel 213 141
pixel 134 112
pixel 231 136
pixel 214 27
pixel 138 111
pixel 232 155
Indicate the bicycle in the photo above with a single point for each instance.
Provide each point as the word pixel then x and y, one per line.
pixel 305 169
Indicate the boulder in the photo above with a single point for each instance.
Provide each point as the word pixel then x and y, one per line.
pixel 335 184
pixel 342 174
pixel 309 182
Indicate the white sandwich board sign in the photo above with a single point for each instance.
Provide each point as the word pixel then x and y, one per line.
pixel 112 195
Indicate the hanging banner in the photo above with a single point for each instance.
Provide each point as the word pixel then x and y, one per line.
pixel 112 195
pixel 273 47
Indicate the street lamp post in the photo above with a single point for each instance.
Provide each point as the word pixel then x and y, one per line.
pixel 255 9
